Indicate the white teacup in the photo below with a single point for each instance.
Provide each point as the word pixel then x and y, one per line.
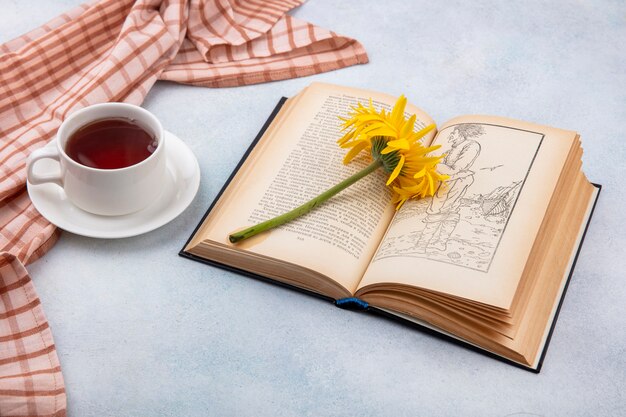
pixel 108 192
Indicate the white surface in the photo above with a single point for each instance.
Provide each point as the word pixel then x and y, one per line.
pixel 178 189
pixel 143 332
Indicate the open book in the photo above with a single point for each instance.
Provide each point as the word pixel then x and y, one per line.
pixel 486 260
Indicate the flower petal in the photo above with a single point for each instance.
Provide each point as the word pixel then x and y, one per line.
pixel 420 173
pixel 355 151
pixel 396 170
pixel 421 133
pixel 400 203
pixel 397 114
pixel 399 144
pixel 408 127
pixel 431 184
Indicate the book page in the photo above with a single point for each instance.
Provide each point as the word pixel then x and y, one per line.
pixel 297 159
pixel 473 238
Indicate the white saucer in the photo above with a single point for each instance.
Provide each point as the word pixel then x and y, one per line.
pixel 179 189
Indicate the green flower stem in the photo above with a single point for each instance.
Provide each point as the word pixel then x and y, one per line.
pixel 305 208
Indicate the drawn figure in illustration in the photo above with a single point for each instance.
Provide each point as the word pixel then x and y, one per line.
pixel 443 211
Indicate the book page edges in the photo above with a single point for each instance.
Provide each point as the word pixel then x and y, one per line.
pixel 566 277
pixel 533 364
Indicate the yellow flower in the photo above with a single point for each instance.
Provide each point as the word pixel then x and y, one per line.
pixel 390 138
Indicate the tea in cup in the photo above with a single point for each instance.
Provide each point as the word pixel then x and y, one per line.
pixel 111 157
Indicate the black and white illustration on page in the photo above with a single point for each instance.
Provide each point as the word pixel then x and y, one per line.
pixel 463 223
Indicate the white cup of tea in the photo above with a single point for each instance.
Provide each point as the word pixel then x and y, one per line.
pixel 111 157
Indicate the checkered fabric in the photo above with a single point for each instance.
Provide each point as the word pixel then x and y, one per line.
pixel 115 50
pixel 31 383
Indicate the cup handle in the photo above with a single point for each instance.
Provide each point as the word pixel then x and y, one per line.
pixel 44 153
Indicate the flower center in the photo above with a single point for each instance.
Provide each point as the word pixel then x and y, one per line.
pixel 389 161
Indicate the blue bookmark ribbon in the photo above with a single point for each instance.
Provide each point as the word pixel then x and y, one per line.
pixel 352 303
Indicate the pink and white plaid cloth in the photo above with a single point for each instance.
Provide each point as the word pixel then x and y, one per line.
pixel 114 50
